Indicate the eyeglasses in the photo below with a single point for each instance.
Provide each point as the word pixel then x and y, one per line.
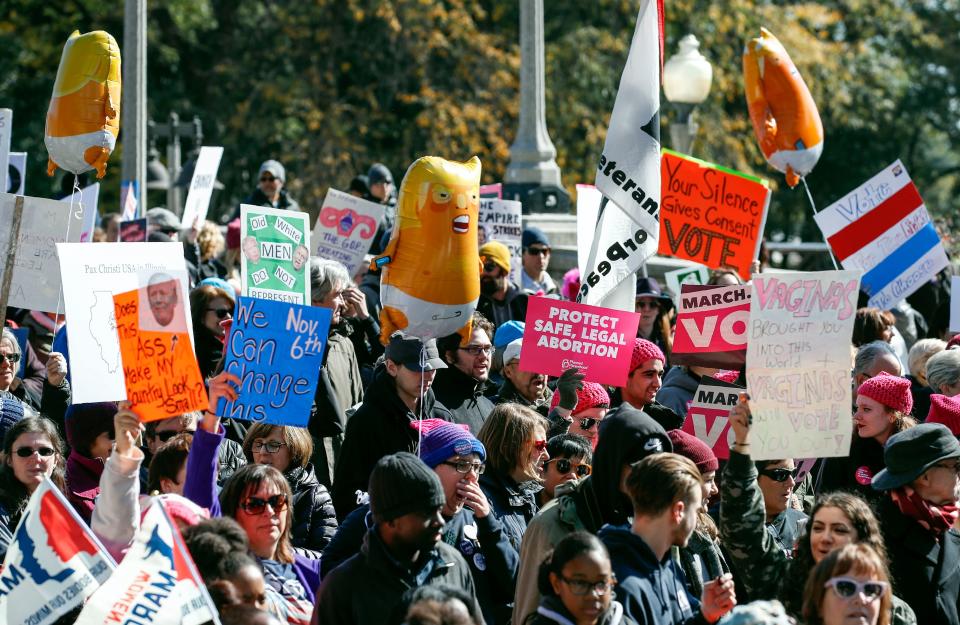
pixel 565 465
pixel 26 452
pixel 540 446
pixel 269 447
pixel 587 424
pixel 647 304
pixel 538 251
pixel 256 505
pixel 221 313
pixel 846 588
pixel 267 178
pixel 476 350
pixel 490 267
pixel 465 466
pixel 11 358
pixel 168 434
pixel 581 587
pixel 778 475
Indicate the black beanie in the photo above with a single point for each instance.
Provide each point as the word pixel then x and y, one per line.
pixel 401 484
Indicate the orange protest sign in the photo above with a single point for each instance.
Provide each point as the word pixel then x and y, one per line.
pixel 710 214
pixel 160 369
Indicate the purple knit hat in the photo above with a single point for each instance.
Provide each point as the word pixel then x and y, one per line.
pixel 442 440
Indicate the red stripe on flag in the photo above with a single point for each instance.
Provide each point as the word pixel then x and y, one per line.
pixel 852 238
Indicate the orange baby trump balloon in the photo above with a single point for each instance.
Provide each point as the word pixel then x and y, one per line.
pixel 83 120
pixel 431 267
pixel 784 115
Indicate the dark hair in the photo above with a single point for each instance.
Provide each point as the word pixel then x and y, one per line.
pixel 298 441
pixel 763 464
pixel 869 325
pixel 168 461
pixel 452 342
pixel 857 558
pixel 200 298
pixel 13 493
pixel 248 479
pixel 570 446
pixel 570 547
pixel 211 542
pixel 432 605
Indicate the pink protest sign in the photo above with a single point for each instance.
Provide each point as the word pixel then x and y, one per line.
pixel 560 335
pixel 708 417
pixel 712 326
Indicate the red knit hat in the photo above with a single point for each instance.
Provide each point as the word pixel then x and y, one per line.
pixel 592 395
pixel 695 449
pixel 890 390
pixel 945 410
pixel 644 350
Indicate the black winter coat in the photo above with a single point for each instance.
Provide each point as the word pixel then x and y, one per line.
pixel 513 504
pixel 512 308
pixel 379 427
pixel 463 396
pixel 314 520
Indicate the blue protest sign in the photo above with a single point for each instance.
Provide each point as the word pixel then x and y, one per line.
pixel 23 335
pixel 276 349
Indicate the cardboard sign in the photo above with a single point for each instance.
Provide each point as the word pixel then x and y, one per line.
pixel 500 220
pixel 92 275
pixel 799 363
pixel 712 325
pixel 708 417
pixel 710 214
pixel 36 275
pixel 6 128
pixel 882 227
pixel 276 350
pixel 159 366
pixel 17 173
pixel 560 335
pixel 85 200
pixel 275 263
pixel 697 274
pixel 134 231
pixel 345 229
pixel 201 186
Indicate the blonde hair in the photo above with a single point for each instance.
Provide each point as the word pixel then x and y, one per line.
pixel 210 240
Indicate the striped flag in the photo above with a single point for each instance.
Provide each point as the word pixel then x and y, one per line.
pixel 882 227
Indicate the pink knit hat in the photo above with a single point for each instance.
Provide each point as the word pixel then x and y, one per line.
pixel 945 410
pixel 592 395
pixel 890 390
pixel 644 350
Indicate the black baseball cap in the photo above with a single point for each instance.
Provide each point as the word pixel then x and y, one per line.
pixel 414 353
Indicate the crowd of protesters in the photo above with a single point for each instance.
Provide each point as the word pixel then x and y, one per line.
pixel 438 482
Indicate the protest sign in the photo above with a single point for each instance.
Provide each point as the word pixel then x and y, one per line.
pixel 345 229
pixel 560 335
pixel 708 416
pixel 92 275
pixel 159 366
pixel 276 349
pixel 622 295
pixel 17 173
pixel 882 227
pixel 695 274
pixel 955 303
pixel 201 186
pixel 712 324
pixel 134 231
pixel 492 190
pixel 799 362
pixel 36 276
pixel 710 214
pixel 85 201
pixel 156 582
pixel 275 263
pixel 23 336
pixel 6 128
pixel 129 192
pixel 53 562
pixel 500 221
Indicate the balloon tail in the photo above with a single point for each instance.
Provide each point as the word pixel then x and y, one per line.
pixel 813 207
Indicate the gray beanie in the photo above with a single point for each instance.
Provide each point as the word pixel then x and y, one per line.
pixel 401 484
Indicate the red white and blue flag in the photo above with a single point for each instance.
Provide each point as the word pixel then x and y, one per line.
pixel 156 583
pixel 53 563
pixel 882 227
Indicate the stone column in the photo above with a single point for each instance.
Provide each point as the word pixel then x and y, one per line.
pixel 133 113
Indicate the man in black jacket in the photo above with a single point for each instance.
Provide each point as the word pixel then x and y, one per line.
pixel 398 395
pixel 500 299
pixel 461 386
pixel 527 388
pixel 922 475
pixel 269 192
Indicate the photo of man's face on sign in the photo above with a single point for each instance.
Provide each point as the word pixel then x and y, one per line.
pixel 164 311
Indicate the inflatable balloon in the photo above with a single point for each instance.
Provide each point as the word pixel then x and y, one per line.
pixel 431 267
pixel 784 115
pixel 83 120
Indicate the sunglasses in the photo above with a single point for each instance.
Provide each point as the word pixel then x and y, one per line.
pixel 847 588
pixel 565 465
pixel 778 475
pixel 490 267
pixel 587 424
pixel 168 434
pixel 646 304
pixel 267 178
pixel 465 466
pixel 540 446
pixel 11 358
pixel 222 313
pixel 270 447
pixel 26 452
pixel 538 251
pixel 256 505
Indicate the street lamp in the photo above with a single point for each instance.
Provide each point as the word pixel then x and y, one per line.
pixel 686 82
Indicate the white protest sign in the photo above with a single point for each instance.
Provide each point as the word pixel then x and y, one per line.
pixel 6 128
pixel 92 275
pixel 955 304
pixel 345 229
pixel 36 274
pixel 500 220
pixel 17 173
pixel 86 199
pixel 201 186
pixel 694 274
pixel 622 295
pixel 799 363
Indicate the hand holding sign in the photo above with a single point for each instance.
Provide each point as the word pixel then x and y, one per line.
pixel 741 421
pixel 127 429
